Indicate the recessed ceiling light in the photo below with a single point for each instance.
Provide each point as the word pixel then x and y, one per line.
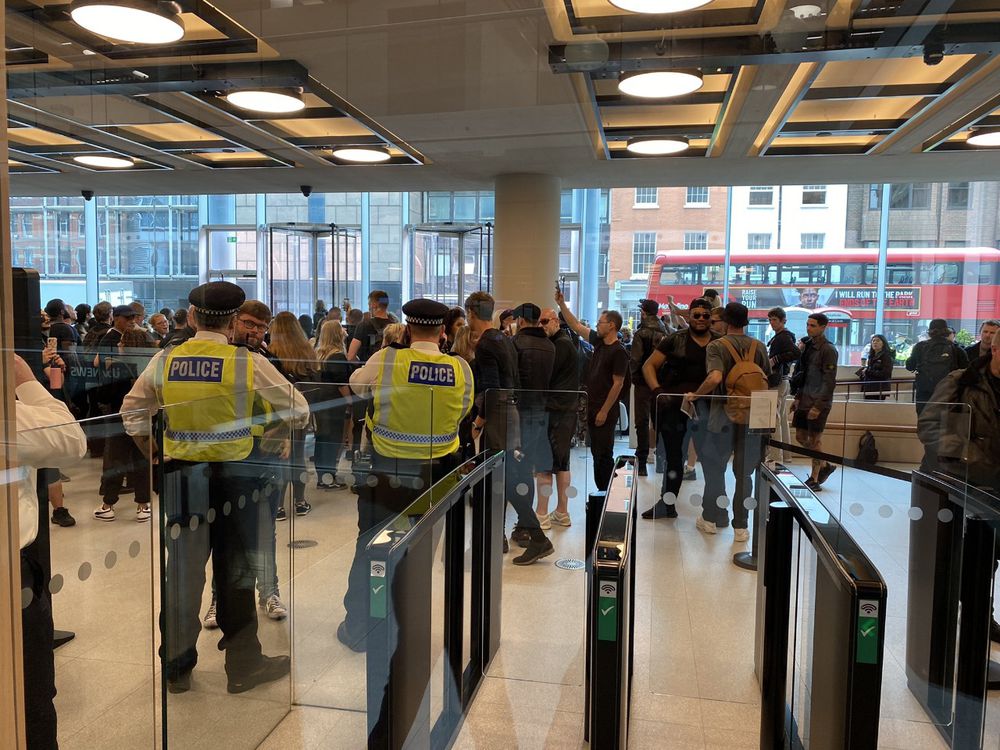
pixel 658 6
pixel 105 162
pixel 660 84
pixel 657 145
pixel 138 21
pixel 362 154
pixel 984 137
pixel 271 101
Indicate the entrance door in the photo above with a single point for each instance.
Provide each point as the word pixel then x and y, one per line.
pixel 229 253
pixel 448 262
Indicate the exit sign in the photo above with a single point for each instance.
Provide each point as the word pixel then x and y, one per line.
pixel 231 239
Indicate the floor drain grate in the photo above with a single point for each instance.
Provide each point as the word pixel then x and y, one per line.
pixel 570 564
pixel 303 543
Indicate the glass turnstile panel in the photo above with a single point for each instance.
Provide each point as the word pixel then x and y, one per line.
pixel 544 604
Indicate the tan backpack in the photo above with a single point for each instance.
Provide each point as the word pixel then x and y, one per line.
pixel 745 378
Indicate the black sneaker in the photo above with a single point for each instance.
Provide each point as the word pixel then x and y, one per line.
pixel 825 473
pixel 535 551
pixel 179 684
pixel 281 515
pixel 61 517
pixel 642 468
pixel 269 669
pixel 302 508
pixel 357 645
pixel 660 510
pixel 521 536
pixel 812 484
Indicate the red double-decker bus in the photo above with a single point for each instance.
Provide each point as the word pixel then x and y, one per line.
pixel 961 285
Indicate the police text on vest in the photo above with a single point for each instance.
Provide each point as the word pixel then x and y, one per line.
pixel 431 373
pixel 195 369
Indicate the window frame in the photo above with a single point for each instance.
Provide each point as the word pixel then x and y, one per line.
pixel 655 203
pixel 638 237
pixel 752 246
pixel 702 245
pixel 688 203
pixel 805 246
pixel 959 187
pixel 814 189
pixel 761 190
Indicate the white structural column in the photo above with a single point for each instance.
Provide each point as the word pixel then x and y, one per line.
pixel 526 253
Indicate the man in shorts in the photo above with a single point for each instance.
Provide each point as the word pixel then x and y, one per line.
pixel 812 388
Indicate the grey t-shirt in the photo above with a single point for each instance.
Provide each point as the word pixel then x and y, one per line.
pixel 718 357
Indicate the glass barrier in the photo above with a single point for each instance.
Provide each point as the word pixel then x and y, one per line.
pixel 225 650
pixel 693 518
pixel 87 583
pixel 548 482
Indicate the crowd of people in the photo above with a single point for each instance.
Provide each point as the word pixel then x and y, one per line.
pixel 240 390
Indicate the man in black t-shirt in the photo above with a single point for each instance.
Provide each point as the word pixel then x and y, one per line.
pixel 605 382
pixel 367 337
pixel 677 366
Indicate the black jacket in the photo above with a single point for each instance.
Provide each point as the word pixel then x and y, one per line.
pixel 816 375
pixel 565 380
pixel 933 359
pixel 535 359
pixel 650 333
pixel 878 368
pixel 495 364
pixel 969 435
pixel 783 352
pixel 973 352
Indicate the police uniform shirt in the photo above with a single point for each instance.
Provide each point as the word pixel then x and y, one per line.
pixel 266 378
pixel 367 375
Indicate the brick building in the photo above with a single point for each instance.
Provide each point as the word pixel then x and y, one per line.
pixel 645 221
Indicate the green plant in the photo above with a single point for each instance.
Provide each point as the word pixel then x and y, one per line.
pixel 964 338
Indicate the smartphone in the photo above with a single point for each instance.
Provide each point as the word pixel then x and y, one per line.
pixel 51 342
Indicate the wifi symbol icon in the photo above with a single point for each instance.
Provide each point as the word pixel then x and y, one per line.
pixel 869 609
pixel 378 569
pixel 609 589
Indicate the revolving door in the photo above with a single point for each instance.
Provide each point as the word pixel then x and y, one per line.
pixel 309 262
pixel 449 261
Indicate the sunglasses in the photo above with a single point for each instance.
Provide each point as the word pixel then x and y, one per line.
pixel 701 316
pixel 544 321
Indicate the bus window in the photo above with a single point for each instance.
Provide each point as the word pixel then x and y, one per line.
pixel 899 273
pixel 988 272
pixel 711 274
pixel 686 275
pixel 812 274
pixel 940 273
pixel 749 274
pixel 847 273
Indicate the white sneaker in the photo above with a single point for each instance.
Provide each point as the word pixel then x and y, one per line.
pixel 104 514
pixel 705 527
pixel 142 513
pixel 560 519
pixel 544 521
pixel 210 622
pixel 741 535
pixel 274 608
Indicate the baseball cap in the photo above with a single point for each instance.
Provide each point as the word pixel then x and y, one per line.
pixel 528 311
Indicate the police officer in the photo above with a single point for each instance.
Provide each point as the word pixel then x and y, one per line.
pixel 210 494
pixel 413 444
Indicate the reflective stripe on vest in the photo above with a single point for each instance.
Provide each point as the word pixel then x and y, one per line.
pixel 418 401
pixel 206 389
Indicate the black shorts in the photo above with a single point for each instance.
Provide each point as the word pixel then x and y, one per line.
pixel 801 421
pixel 562 427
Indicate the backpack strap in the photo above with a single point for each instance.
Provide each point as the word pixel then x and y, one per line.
pixel 737 357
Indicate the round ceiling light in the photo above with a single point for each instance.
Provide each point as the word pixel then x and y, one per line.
pixel 658 6
pixel 137 21
pixel 362 154
pixel 104 162
pixel 271 101
pixel 657 145
pixel 660 84
pixel 984 137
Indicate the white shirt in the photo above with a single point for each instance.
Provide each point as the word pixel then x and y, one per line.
pixel 367 375
pixel 288 403
pixel 47 436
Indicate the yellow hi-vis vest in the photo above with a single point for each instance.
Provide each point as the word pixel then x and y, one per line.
pixel 206 389
pixel 419 399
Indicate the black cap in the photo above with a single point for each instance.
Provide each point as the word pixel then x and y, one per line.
pixel 649 306
pixel 124 311
pixel 425 312
pixel 528 311
pixel 55 308
pixel 217 298
pixel 506 314
pixel 736 315
pixel 938 325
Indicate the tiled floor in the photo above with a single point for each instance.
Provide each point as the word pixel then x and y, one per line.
pixel 694 686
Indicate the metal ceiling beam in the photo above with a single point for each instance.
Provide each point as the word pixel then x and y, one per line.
pixel 776 49
pixel 141 80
